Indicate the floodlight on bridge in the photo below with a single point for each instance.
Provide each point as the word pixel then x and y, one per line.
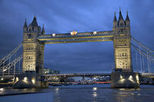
pixel 53 34
pixel 73 33
pixel 121 79
pixel 131 78
pixel 94 32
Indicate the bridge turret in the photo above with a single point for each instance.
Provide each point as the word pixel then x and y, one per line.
pixel 121 21
pixel 114 21
pixel 121 26
pixel 33 27
pixel 25 28
pixel 127 20
pixel 43 30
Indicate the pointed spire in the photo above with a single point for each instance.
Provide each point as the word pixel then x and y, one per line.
pixel 115 18
pixel 120 15
pixel 34 22
pixel 43 30
pixel 127 17
pixel 25 24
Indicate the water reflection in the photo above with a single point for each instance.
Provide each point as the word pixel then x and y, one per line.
pixel 94 94
pixel 127 95
pixel 85 94
pixel 1 90
pixel 56 90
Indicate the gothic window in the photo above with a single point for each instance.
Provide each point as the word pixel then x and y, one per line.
pixel 121 24
pixel 28 57
pixel 121 30
pixel 29 48
pixel 29 36
pixel 33 28
pixel 30 29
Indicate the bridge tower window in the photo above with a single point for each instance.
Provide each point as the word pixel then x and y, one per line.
pixel 29 36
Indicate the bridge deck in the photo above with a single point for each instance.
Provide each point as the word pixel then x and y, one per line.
pixel 147 75
pixel 77 74
pixel 79 37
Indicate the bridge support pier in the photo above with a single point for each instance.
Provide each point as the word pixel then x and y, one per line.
pixel 125 80
pixel 29 80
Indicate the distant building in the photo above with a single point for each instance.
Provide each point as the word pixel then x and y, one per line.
pixel 50 71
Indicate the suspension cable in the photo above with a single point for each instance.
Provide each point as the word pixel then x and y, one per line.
pixel 5 58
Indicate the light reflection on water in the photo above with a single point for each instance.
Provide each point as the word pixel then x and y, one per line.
pixel 1 90
pixel 86 94
pixel 103 94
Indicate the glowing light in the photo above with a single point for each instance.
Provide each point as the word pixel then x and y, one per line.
pixel 94 32
pixel 56 78
pixel 1 89
pixel 17 79
pixel 13 79
pixel 121 89
pixel 94 88
pixel 57 90
pixel 94 94
pixel 121 79
pixel 4 70
pixel 137 79
pixel 73 33
pixel 2 78
pixel 53 34
pixel 25 80
pixel 33 80
pixel 94 78
pixel 131 78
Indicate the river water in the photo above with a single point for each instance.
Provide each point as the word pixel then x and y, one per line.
pixel 83 93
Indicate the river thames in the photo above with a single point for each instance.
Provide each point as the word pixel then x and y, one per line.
pixel 82 93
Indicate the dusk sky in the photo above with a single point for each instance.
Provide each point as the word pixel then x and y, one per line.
pixel 63 16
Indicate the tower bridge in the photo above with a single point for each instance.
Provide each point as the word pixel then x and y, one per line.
pixel 35 38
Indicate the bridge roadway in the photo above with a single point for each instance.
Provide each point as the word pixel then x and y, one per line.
pixel 77 75
pixel 145 75
pixel 75 37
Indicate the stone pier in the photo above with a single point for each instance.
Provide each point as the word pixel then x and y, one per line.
pixel 125 80
pixel 29 80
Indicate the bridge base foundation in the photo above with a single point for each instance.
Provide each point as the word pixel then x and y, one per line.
pixel 125 80
pixel 29 80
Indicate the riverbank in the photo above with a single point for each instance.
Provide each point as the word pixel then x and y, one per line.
pixel 11 92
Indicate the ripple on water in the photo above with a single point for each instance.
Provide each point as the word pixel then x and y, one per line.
pixel 92 93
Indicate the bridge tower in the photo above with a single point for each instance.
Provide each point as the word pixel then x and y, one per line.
pixel 33 57
pixel 122 45
pixel 123 75
pixel 33 50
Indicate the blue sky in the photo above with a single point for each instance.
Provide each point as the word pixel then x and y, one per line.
pixel 62 16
